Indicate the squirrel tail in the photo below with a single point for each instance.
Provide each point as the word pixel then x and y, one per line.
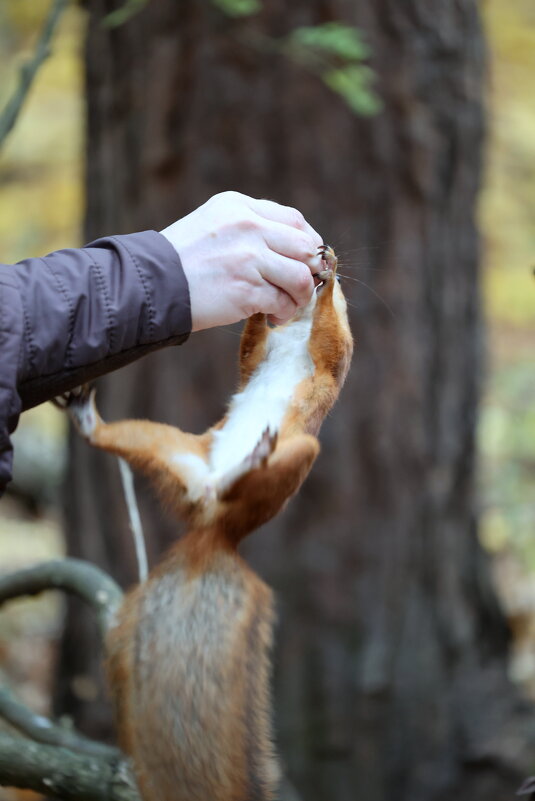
pixel 189 666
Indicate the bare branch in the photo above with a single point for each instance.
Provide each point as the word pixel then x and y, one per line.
pixel 42 730
pixel 64 773
pixel 72 575
pixel 50 758
pixel 28 71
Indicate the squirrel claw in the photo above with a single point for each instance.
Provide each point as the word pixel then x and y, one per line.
pixel 255 460
pixel 327 256
pixel 79 403
pixel 263 449
pixel 66 399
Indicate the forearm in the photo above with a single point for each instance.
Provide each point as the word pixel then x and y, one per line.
pixel 78 314
pixel 91 310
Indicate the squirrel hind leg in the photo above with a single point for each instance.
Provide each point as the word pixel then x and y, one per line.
pixel 172 459
pixel 260 493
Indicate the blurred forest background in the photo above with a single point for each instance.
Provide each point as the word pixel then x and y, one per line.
pixel 42 209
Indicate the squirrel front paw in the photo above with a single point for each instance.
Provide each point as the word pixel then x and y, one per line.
pixel 330 261
pixel 262 450
pixel 80 405
pixel 254 460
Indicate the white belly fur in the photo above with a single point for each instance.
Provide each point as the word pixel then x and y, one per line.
pixel 262 404
pixel 264 401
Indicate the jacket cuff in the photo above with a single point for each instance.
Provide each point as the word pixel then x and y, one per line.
pixel 164 282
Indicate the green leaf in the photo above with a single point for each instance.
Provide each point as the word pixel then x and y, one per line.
pixel 124 13
pixel 353 84
pixel 335 38
pixel 238 8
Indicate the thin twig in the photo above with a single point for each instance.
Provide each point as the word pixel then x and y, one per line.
pixel 86 581
pixel 136 526
pixel 28 71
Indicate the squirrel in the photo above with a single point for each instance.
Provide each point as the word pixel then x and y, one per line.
pixel 188 657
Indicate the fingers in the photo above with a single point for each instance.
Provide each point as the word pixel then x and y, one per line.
pixel 286 215
pixel 289 275
pixel 241 255
pixel 293 244
pixel 276 303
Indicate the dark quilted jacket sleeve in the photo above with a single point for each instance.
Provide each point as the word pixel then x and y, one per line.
pixel 77 314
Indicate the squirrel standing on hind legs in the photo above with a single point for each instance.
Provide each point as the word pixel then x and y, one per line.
pixel 188 657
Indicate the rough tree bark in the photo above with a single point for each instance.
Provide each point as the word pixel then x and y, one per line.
pixel 391 660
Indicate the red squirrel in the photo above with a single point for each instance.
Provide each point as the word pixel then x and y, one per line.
pixel 188 657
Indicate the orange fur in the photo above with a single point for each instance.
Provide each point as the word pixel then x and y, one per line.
pixel 188 659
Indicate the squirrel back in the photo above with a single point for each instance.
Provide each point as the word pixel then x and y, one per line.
pixel 188 659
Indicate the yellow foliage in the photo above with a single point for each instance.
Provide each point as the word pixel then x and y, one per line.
pixel 510 296
pixel 508 200
pixel 507 212
pixel 25 16
pixel 41 200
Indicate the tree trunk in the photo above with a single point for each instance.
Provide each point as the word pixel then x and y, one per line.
pixel 391 658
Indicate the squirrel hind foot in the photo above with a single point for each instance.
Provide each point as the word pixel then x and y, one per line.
pixel 81 408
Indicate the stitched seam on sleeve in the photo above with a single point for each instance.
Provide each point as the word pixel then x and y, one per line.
pixel 70 307
pixel 144 284
pixel 3 326
pixel 103 289
pixel 29 338
pixel 28 332
pixel 4 436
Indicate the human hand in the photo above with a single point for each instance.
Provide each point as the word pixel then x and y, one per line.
pixel 242 256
